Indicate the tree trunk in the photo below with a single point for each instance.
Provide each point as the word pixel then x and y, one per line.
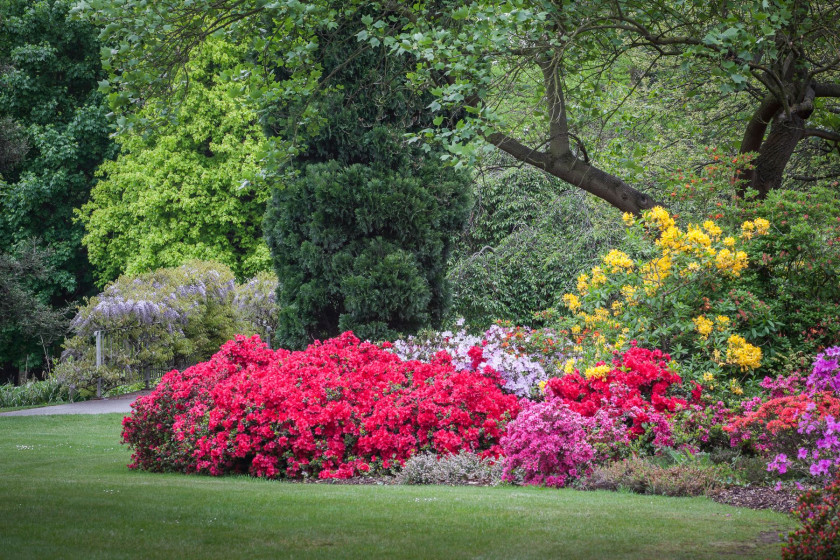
pixel 775 152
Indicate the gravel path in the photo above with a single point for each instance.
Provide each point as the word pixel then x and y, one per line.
pixel 98 406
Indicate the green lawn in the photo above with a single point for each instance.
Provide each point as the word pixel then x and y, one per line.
pixel 65 493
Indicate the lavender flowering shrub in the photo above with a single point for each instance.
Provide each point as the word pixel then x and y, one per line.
pixel 171 315
pixel 826 373
pixel 505 349
pixel 255 302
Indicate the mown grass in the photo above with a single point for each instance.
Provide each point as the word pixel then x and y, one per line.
pixel 65 493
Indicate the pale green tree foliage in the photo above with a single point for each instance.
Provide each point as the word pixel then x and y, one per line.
pixel 186 189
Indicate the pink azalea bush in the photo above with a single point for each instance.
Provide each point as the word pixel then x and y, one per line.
pixel 551 444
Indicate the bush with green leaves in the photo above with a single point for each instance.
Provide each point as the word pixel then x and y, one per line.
pixel 796 269
pixel 172 316
pixel 198 165
pixel 361 231
pixel 31 393
pixel 527 238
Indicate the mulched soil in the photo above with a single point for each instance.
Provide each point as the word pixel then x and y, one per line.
pixel 757 497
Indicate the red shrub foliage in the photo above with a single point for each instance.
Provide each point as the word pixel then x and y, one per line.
pixel 819 536
pixel 335 410
pixel 636 387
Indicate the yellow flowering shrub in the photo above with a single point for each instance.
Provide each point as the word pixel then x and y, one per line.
pixel 670 300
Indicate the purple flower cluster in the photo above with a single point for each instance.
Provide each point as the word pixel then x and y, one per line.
pixel 826 373
pixel 547 444
pixel 820 450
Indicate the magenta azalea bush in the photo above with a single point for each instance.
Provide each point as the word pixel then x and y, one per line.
pixel 551 444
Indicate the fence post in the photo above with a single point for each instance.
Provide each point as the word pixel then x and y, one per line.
pixel 268 338
pixel 98 335
pixel 147 376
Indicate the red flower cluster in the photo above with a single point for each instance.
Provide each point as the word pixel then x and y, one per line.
pixel 775 421
pixel 636 388
pixel 335 410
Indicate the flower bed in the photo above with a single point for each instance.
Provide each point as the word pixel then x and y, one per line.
pixel 338 409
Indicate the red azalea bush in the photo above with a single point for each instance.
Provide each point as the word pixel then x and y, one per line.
pixel 772 426
pixel 636 388
pixel 819 536
pixel 337 409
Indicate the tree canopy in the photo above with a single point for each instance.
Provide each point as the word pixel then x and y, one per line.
pixel 517 73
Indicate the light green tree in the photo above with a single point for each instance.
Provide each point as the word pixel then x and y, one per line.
pixel 186 189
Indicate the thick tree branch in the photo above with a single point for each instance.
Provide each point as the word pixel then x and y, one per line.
pixel 820 133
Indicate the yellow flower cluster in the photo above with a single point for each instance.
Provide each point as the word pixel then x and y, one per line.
pixel 762 226
pixel 699 241
pixel 617 261
pixel 703 326
pixel 597 371
pixel 660 218
pixel 729 242
pixel 629 219
pixel 722 322
pixel 569 366
pixel 583 284
pixel 743 354
pixel 655 272
pixel 713 229
pixel 747 229
pixel 735 387
pixel 571 301
pixel 708 377
pixel 731 263
pixel 597 318
pixel 598 277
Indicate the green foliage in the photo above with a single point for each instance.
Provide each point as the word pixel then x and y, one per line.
pixel 361 231
pixel 28 325
pixel 171 316
pixel 527 238
pixel 796 270
pixel 684 293
pixel 186 190
pixel 33 393
pixel 55 135
pixel 48 87
pixel 363 248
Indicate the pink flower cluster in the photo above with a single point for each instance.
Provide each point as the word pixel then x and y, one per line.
pixel 338 409
pixel 550 444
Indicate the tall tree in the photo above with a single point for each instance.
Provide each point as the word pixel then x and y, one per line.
pixel 361 230
pixel 188 189
pixel 49 69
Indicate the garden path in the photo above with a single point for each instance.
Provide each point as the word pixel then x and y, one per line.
pixel 96 406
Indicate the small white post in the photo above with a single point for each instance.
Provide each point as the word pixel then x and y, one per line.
pixel 98 335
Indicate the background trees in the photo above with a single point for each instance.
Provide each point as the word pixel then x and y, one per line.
pixel 55 135
pixel 361 231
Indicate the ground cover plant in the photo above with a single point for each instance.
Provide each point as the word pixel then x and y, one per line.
pixel 57 470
